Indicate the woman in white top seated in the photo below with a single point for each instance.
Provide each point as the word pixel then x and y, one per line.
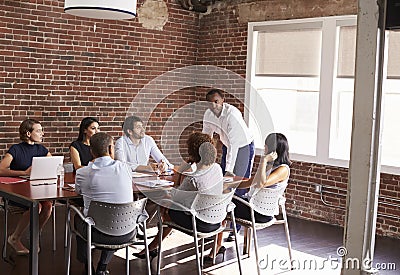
pixel 273 172
pixel 207 179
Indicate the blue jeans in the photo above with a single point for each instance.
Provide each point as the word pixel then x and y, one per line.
pixel 244 160
pixel 243 166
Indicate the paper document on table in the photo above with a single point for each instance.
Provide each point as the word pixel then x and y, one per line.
pixel 11 180
pixel 141 175
pixel 155 183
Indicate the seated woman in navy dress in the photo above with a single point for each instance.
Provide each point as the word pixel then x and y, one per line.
pixel 18 162
pixel 80 148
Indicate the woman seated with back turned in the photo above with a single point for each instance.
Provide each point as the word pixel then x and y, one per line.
pixel 80 148
pixel 207 179
pixel 273 172
pixel 18 162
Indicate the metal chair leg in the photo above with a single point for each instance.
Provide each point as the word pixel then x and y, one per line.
pixel 255 242
pixel 89 249
pixel 287 234
pixel 202 253
pixel 247 241
pixel 67 217
pixel 4 254
pixel 196 245
pixel 215 249
pixel 127 260
pixel 68 242
pixel 236 243
pixel 160 232
pixel 146 247
pixel 54 226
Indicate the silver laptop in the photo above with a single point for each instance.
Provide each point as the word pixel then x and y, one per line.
pixel 44 168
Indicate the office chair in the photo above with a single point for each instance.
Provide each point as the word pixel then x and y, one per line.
pixel 111 219
pixel 266 201
pixel 208 208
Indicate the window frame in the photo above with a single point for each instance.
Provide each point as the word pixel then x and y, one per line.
pixel 328 74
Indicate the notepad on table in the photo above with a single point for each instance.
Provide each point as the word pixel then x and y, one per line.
pixel 155 183
pixel 11 180
pixel 141 175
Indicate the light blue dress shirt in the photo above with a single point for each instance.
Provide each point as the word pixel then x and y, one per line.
pixel 104 180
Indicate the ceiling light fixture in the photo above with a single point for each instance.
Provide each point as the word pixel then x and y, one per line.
pixel 102 9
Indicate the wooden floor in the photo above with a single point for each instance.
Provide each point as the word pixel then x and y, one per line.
pixel 314 245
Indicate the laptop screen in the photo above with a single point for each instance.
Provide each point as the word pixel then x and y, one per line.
pixel 45 167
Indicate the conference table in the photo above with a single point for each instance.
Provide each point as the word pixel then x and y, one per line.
pixel 29 195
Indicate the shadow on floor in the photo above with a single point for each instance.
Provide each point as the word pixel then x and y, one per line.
pixel 312 244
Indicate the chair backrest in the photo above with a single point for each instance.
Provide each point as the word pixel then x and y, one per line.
pixel 212 208
pixel 265 200
pixel 116 219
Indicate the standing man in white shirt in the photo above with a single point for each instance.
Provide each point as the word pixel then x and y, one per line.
pixel 135 147
pixel 238 143
pixel 237 139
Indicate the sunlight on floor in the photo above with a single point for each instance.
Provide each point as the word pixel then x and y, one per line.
pixel 274 259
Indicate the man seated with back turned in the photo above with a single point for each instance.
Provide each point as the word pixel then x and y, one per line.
pixel 135 147
pixel 105 180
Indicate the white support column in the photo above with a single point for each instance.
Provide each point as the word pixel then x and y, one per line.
pixel 364 171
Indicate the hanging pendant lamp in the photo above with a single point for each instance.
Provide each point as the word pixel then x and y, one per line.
pixel 102 9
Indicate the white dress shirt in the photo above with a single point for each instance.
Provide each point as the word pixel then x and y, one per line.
pixel 104 180
pixel 136 155
pixel 232 130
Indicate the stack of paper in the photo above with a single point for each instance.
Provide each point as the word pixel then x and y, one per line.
pixel 155 183
pixel 11 180
pixel 141 175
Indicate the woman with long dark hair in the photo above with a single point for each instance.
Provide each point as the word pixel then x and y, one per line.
pixel 80 148
pixel 273 172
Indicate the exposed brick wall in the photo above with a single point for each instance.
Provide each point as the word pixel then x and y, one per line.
pixel 303 201
pixel 58 69
pixel 223 43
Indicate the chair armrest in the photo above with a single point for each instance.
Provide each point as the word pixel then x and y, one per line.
pixel 142 217
pixel 243 201
pixel 176 205
pixel 87 220
pixel 249 204
pixel 230 207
